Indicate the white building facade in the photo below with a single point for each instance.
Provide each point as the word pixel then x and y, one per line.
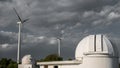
pixel 94 51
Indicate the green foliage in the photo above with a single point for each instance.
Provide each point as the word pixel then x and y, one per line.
pixel 119 65
pixel 52 57
pixel 69 59
pixel 7 63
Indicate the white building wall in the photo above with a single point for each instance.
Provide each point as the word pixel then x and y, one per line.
pixel 25 66
pixel 100 62
pixel 93 62
pixel 71 66
pixel 63 66
pixel 41 66
pixel 49 66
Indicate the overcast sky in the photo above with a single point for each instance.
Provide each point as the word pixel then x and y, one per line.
pixel 70 20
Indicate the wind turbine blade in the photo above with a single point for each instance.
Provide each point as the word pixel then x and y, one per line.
pixel 17 15
pixel 25 20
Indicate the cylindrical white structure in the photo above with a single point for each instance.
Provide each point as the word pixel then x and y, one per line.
pixel 59 45
pixel 19 42
pixel 96 51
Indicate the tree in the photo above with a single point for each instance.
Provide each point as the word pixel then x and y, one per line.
pixel 4 63
pixel 119 65
pixel 69 59
pixel 52 57
pixel 7 63
pixel 11 65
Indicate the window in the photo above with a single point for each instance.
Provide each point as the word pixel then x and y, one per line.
pixel 55 66
pixel 46 66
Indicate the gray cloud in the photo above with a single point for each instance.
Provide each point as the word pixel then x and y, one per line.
pixel 5 0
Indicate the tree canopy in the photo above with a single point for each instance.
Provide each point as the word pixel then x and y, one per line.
pixel 52 57
pixel 7 63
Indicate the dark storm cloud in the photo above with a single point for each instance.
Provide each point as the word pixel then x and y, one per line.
pixel 5 0
pixel 62 5
pixel 7 38
pixel 97 5
pixel 50 12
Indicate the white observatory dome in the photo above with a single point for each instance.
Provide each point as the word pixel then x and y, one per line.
pixel 95 45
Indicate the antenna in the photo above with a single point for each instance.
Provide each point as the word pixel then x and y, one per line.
pixel 19 35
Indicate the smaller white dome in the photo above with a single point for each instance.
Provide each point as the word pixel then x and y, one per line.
pixel 94 45
pixel 27 59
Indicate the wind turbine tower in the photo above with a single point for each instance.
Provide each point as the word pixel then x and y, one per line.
pixel 19 35
pixel 59 46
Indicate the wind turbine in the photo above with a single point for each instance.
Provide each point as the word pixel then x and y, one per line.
pixel 59 41
pixel 59 46
pixel 19 34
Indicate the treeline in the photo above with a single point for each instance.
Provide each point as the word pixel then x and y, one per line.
pixel 8 63
pixel 51 57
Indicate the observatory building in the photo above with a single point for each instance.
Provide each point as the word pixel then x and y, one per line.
pixel 94 51
pixel 26 62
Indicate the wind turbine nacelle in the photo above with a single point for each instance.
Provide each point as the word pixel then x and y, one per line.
pixel 19 22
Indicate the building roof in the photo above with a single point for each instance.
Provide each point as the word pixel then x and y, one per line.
pixel 60 62
pixel 95 45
